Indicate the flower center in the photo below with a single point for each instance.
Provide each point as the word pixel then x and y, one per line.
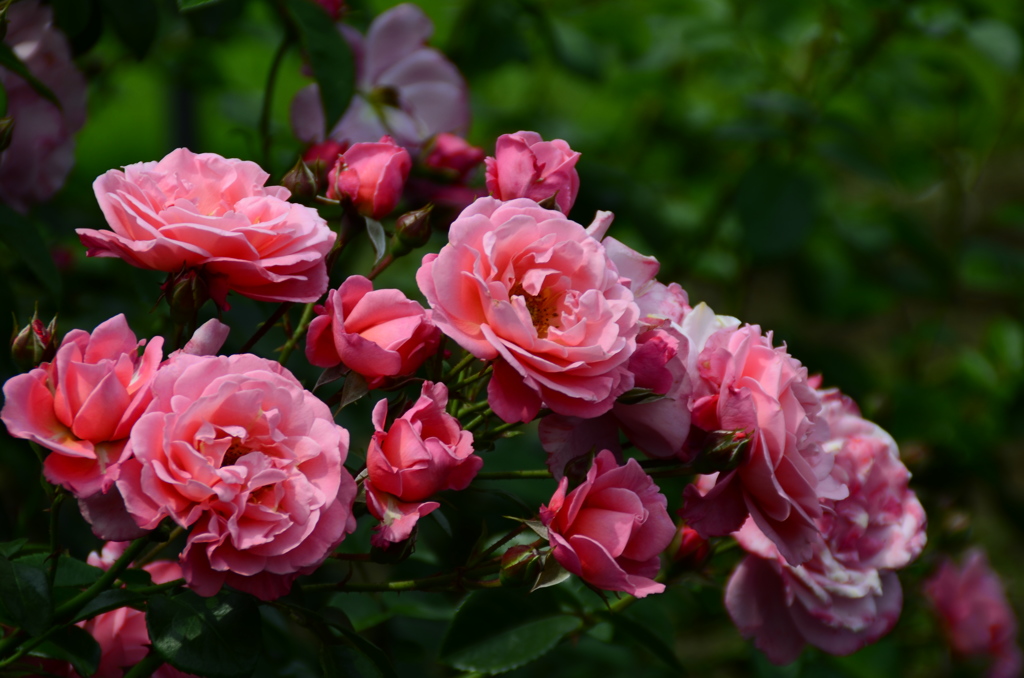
pixel 234 452
pixel 543 308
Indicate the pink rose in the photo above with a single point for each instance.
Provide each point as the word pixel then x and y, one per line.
pixel 122 634
pixel 42 149
pixel 424 452
pixel 213 214
pixel 322 157
pixel 846 595
pixel 744 384
pixel 371 175
pixel 531 290
pixel 975 614
pixel 377 333
pixel 83 404
pixel 453 155
pixel 610 530
pixel 403 88
pixel 236 449
pixel 526 166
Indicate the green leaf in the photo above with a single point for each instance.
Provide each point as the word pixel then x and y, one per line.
pixel 997 41
pixel 9 549
pixel 185 5
pixel 553 574
pixel 366 657
pixel 776 205
pixel 375 230
pixel 329 55
pixel 497 630
pixel 136 578
pixel 645 637
pixel 343 660
pixel 112 599
pixel 73 645
pixel 22 236
pixel 25 595
pixel 71 572
pixel 10 61
pixel 134 21
pixel 212 637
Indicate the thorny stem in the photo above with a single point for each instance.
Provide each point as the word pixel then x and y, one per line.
pixel 265 327
pixel 300 330
pixel 471 409
pixel 449 581
pixel 151 556
pixel 268 98
pixel 380 266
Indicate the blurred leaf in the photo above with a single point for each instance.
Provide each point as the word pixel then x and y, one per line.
pixel 134 21
pixel 344 660
pixel 212 637
pixel 10 61
pixel 25 595
pixel 185 5
pixel 71 572
pixel 355 388
pixel 22 235
pixel 81 21
pixel 9 549
pixel 74 645
pixel 378 237
pixel 997 41
pixel 498 630
pixel 645 637
pixel 329 55
pixel 111 599
pixel 487 35
pixel 776 205
pixel 364 656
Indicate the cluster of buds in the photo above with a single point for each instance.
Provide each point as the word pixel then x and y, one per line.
pixel 34 343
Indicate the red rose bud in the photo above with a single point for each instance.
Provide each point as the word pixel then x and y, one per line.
pixel 520 566
pixel 301 181
pixel 453 155
pixel 688 548
pixel 412 231
pixel 722 451
pixel 34 343
pixel 186 291
pixel 6 131
pixel 372 176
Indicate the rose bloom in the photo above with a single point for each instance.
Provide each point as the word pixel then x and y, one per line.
pixel 533 291
pixel 42 149
pixel 214 214
pixel 424 452
pixel 847 595
pixel 377 333
pixel 403 88
pixel 122 634
pixel 371 175
pixel 610 530
pixel 526 166
pixel 975 614
pixel 742 383
pixel 236 449
pixel 83 404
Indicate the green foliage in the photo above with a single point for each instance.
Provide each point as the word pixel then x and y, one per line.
pixel 330 57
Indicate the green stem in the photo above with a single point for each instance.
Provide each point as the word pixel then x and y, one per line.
pixel 265 327
pixel 446 581
pixel 458 367
pixel 71 607
pixel 289 346
pixel 380 266
pixel 501 542
pixel 51 574
pixel 151 556
pixel 486 372
pixel 268 98
pixel 530 474
pixel 470 409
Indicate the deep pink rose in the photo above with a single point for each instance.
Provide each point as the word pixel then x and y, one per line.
pixel 526 166
pixel 846 595
pixel 610 530
pixel 214 214
pixel 424 452
pixel 371 175
pixel 975 614
pixel 404 88
pixel 236 449
pixel 122 634
pixel 42 149
pixel 377 333
pixel 454 155
pixel 744 384
pixel 531 290
pixel 82 405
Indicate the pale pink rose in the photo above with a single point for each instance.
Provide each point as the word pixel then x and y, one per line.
pixel 236 449
pixel 742 383
pixel 403 88
pixel 83 404
pixel 371 175
pixel 451 154
pixel 610 530
pixel 42 149
pixel 526 166
pixel 975 614
pixel 122 634
pixel 377 333
pixel 213 214
pixel 846 595
pixel 424 452
pixel 531 290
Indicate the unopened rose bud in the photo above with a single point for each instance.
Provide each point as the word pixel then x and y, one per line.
pixel 722 451
pixel 321 157
pixel 34 343
pixel 688 548
pixel 372 176
pixel 520 566
pixel 301 181
pixel 6 132
pixel 412 231
pixel 186 291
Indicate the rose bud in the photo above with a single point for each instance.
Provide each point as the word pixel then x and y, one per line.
pixel 372 176
pixel 688 548
pixel 526 166
pixel 34 343
pixel 301 181
pixel 453 155
pixel 520 565
pixel 186 291
pixel 322 156
pixel 412 230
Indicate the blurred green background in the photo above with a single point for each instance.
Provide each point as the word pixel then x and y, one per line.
pixel 846 173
